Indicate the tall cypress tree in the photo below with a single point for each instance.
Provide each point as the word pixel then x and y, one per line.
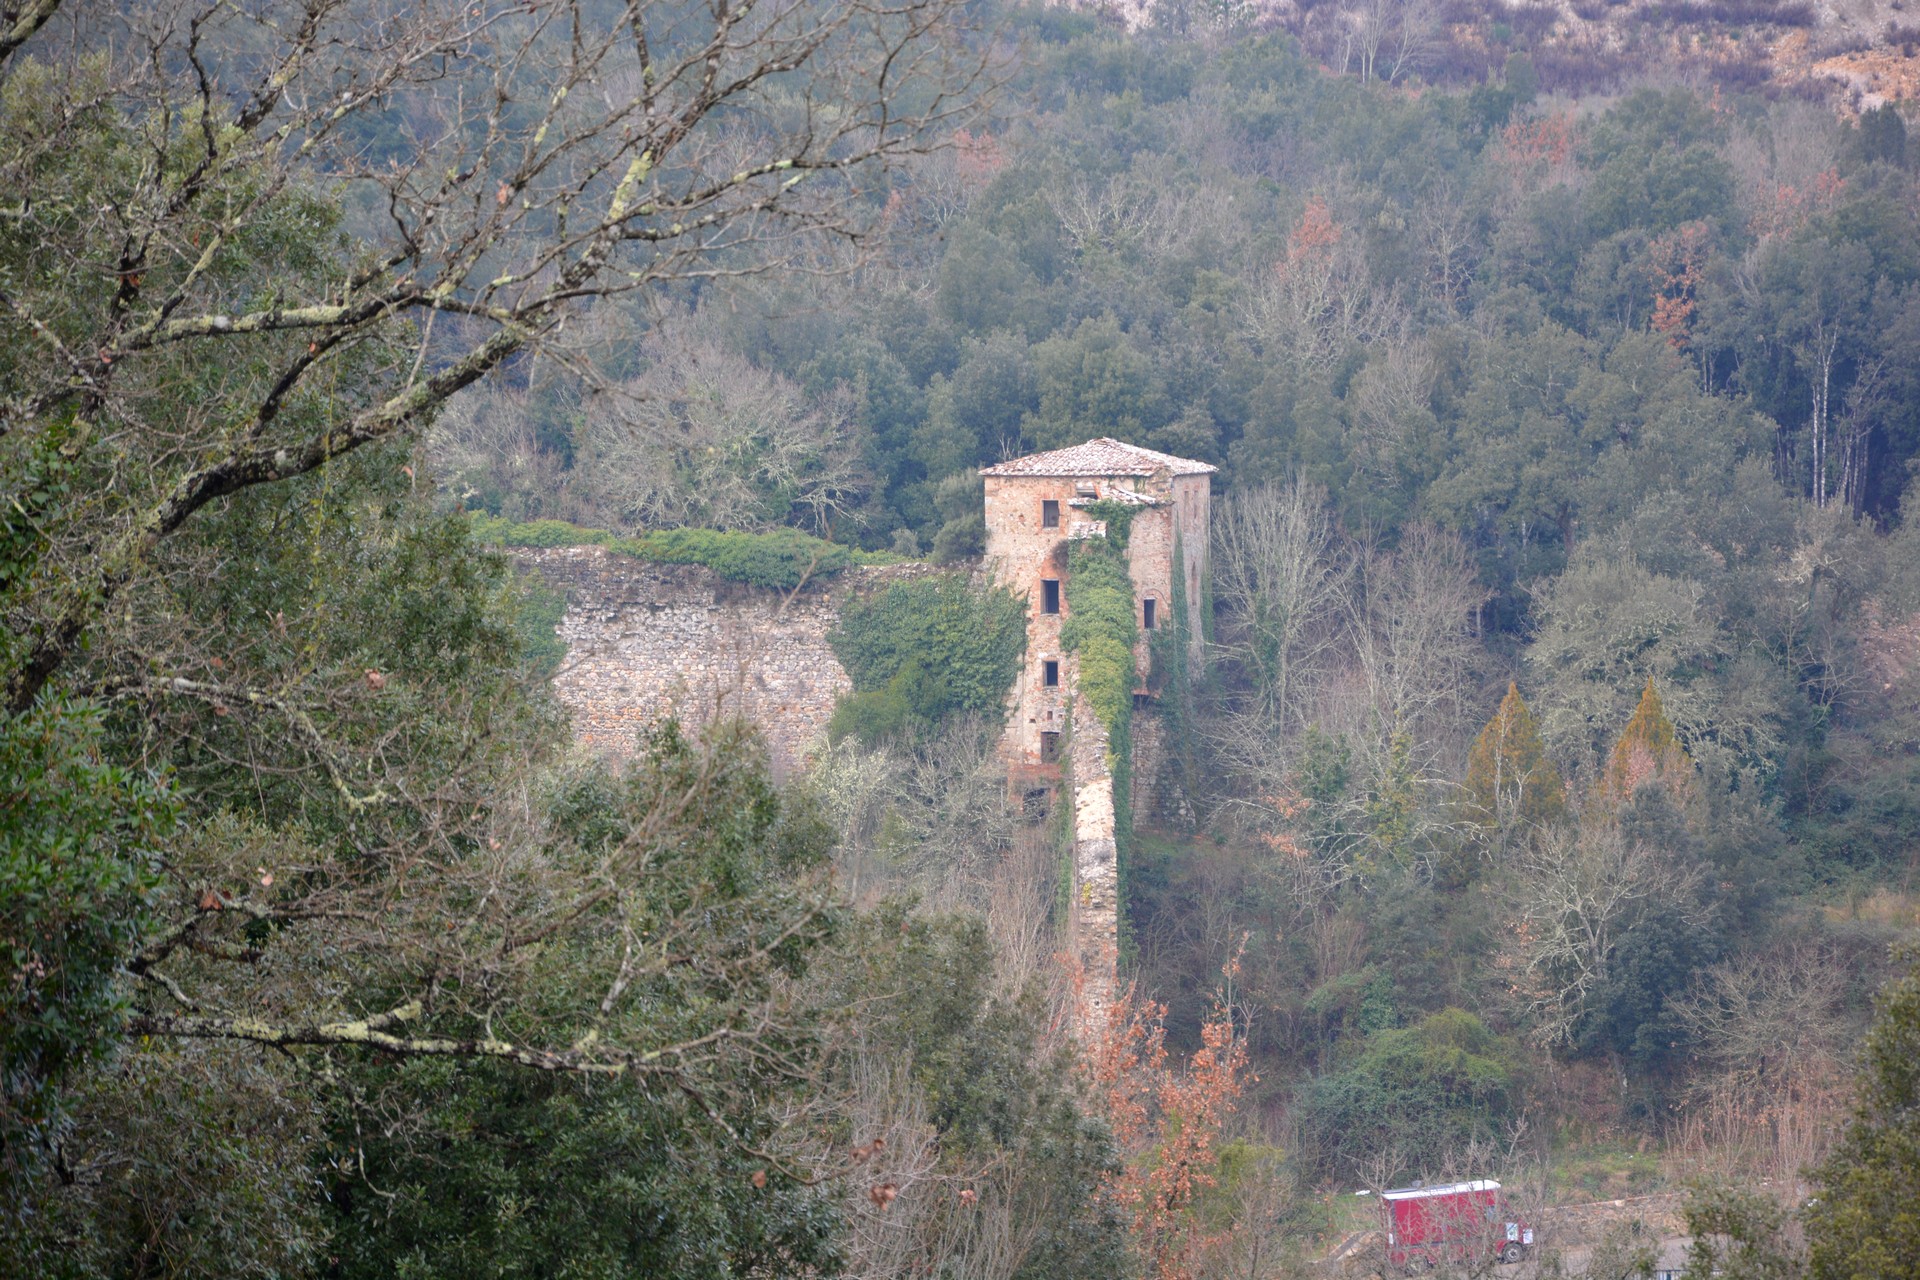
pixel 1510 779
pixel 1648 750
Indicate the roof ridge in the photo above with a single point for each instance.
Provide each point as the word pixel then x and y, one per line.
pixel 1100 456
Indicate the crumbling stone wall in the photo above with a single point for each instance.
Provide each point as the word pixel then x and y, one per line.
pixel 1094 924
pixel 646 641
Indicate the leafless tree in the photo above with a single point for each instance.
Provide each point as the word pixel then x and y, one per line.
pixel 1320 298
pixel 1765 1022
pixel 485 444
pixel 704 438
pixel 1446 230
pixel 1412 43
pixel 1569 895
pixel 928 818
pixel 1281 577
pixel 1391 408
pixel 1772 1037
pixel 930 824
pixel 573 161
pixel 1392 37
pixel 1412 633
pixel 1144 213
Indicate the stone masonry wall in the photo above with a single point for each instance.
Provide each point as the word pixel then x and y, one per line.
pixel 1021 554
pixel 1148 784
pixel 645 641
pixel 1094 925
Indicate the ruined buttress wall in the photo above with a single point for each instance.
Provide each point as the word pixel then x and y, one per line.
pixel 1094 922
pixel 647 641
pixel 1147 787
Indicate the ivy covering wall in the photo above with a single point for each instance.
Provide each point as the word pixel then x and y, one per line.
pixel 923 650
pixel 1100 630
pixel 1173 671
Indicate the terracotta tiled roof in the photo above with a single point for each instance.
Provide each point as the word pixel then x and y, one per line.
pixel 1102 457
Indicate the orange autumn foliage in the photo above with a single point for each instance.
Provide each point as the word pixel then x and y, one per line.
pixel 1648 751
pixel 1546 141
pixel 977 159
pixel 1677 263
pixel 1166 1122
pixel 1789 207
pixel 1510 777
pixel 1314 237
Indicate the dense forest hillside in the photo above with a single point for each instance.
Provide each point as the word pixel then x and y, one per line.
pixel 1547 807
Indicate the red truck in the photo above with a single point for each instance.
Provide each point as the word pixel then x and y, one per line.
pixel 1461 1223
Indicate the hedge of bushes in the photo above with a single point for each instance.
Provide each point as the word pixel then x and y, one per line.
pixel 781 559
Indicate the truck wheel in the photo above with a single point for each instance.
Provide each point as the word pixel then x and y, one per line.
pixel 1511 1252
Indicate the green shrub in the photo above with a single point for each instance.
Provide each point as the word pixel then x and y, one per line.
pixel 1423 1092
pixel 925 649
pixel 81 843
pixel 959 503
pixel 874 716
pixel 961 538
pixel 537 533
pixel 781 559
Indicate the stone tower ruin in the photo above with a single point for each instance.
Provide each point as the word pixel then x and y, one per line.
pixel 1058 752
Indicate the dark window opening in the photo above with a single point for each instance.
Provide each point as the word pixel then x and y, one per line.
pixel 1050 673
pixel 1049 595
pixel 1146 618
pixel 1142 701
pixel 1049 514
pixel 1036 802
pixel 1049 747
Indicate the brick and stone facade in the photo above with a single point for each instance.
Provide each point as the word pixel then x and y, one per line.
pixel 1035 507
pixel 1025 552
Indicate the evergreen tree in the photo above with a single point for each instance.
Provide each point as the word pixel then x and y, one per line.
pixel 1511 782
pixel 1866 1223
pixel 1648 750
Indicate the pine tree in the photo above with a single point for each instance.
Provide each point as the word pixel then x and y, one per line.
pixel 1648 750
pixel 1510 779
